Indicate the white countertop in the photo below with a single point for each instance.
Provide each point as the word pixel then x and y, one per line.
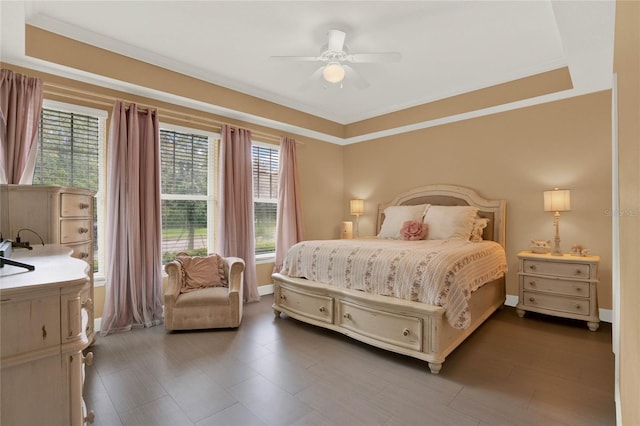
pixel 53 265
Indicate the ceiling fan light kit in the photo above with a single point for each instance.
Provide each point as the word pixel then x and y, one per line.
pixel 335 57
pixel 333 72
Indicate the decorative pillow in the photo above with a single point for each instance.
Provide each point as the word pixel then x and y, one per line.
pixel 413 230
pixel 450 222
pixel 396 216
pixel 479 223
pixel 201 271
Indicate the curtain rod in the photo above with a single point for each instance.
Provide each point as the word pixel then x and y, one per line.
pixel 108 100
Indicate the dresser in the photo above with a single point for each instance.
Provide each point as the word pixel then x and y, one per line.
pixel 60 216
pixel 564 286
pixel 43 324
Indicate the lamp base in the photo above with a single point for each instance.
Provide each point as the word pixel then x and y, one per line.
pixel 556 241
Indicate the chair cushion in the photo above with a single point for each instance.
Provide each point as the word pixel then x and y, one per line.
pixel 204 296
pixel 201 272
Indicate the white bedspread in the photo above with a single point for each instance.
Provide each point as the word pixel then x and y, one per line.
pixel 438 272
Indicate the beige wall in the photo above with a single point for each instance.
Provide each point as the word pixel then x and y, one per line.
pixel 513 155
pixel 627 67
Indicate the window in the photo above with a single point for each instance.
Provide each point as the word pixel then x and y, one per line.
pixel 187 160
pixel 70 153
pixel 189 197
pixel 265 159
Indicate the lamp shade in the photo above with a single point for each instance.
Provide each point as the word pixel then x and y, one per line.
pixel 333 72
pixel 557 200
pixel 357 207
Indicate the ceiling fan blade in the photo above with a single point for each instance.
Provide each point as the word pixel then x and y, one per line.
pixel 361 58
pixel 336 40
pixel 353 77
pixel 317 74
pixel 295 58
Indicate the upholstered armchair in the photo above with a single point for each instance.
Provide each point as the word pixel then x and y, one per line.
pixel 207 307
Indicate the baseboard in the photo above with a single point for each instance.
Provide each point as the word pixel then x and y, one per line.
pixel 265 289
pixel 606 315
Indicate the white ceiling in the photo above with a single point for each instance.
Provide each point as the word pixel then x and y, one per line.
pixel 447 47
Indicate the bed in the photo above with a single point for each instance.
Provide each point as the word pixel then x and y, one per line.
pixel 403 323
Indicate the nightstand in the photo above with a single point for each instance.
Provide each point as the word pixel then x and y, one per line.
pixel 564 286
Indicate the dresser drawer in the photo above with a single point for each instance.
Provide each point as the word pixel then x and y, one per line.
pixel 29 325
pixel 319 308
pixel 564 269
pixel 557 303
pixel 397 330
pixel 74 231
pixel 82 251
pixel 548 285
pixel 74 205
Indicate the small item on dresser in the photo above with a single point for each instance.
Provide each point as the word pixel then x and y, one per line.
pixel 576 250
pixel 540 246
pixel 580 250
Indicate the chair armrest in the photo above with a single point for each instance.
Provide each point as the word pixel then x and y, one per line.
pixel 234 270
pixel 174 271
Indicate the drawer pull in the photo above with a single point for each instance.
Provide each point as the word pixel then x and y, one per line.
pixel 84 255
pixel 44 332
pixel 83 230
pixel 91 417
pixel 578 306
pixel 405 332
pixel 322 309
pixel 578 272
pixel 283 297
pixel 578 289
pixel 347 316
pixel 532 299
pixel 532 283
pixel 88 359
pixel 532 267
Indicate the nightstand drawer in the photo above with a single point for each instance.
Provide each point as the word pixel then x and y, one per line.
pixel 548 285
pixel 564 269
pixel 557 303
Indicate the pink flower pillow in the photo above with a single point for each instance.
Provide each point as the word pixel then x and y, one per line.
pixel 413 230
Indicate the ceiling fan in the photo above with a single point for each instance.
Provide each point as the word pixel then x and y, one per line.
pixel 336 59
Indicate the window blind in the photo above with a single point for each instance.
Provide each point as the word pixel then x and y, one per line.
pixel 68 145
pixel 266 162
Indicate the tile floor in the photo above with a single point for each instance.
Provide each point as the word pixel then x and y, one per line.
pixel 535 370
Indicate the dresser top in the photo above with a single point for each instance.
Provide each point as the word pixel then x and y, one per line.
pixel 563 258
pixel 54 267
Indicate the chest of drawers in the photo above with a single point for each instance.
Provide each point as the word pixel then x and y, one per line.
pixel 59 215
pixel 564 286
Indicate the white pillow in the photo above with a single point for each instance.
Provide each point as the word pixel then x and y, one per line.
pixel 395 216
pixel 450 222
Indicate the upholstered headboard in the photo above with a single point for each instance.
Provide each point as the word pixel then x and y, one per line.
pixel 451 195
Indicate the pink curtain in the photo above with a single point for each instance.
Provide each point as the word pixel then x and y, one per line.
pixel 21 104
pixel 236 235
pixel 289 221
pixel 133 237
